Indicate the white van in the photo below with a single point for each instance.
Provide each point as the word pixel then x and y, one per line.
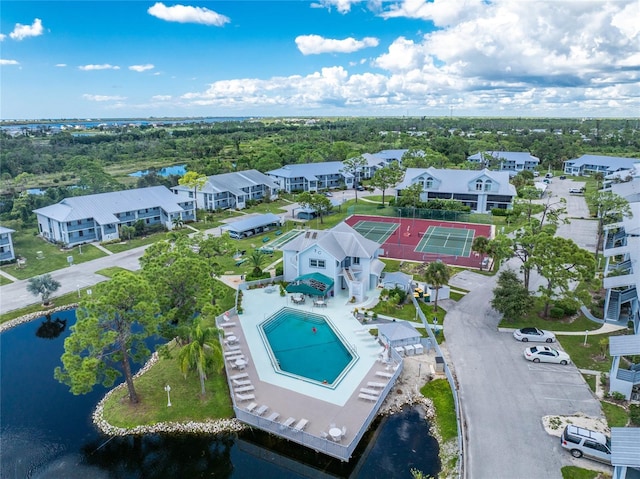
pixel 549 175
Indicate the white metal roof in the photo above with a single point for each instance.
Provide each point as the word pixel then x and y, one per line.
pixel 459 181
pixel 4 230
pixel 625 446
pixel 252 222
pixel 519 157
pixel 627 345
pixel 613 163
pixel 310 170
pixel 102 207
pixel 340 241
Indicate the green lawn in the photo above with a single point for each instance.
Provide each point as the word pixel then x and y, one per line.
pixel 187 403
pixel 616 416
pixel 440 393
pixel 574 472
pixel 135 242
pixel 109 272
pixel 591 381
pixel 4 281
pixel 69 298
pixel 27 245
pixel 589 356
pixel 534 319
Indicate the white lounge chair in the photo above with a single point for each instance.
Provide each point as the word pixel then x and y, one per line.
pixel 374 384
pixel 241 382
pixel 245 397
pixel 251 406
pixel 371 392
pixel 245 389
pixel 262 409
pixel 228 325
pixel 273 416
pixel 368 397
pixel 232 353
pixel 289 422
pixel 233 348
pixel 302 423
pixel 324 435
pixel 239 376
pixel 384 374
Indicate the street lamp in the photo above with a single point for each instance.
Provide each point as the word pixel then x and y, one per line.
pixel 78 286
pixel 168 389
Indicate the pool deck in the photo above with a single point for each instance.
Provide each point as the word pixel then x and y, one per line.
pixel 322 406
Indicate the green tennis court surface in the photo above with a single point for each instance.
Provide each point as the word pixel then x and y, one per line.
pixel 375 230
pixel 443 240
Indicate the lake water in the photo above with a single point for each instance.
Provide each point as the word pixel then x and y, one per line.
pixel 166 171
pixel 46 432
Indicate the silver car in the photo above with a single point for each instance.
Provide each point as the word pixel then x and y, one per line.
pixel 534 334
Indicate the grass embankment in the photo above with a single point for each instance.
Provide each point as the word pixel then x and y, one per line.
pixel 573 472
pixel 65 299
pixel 29 246
pixel 440 393
pixel 617 416
pixel 533 318
pixel 186 402
pixel 591 381
pixel 589 356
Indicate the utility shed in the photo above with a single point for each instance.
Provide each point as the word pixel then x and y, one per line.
pixel 398 333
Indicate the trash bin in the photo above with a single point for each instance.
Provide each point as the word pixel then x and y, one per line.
pixel 427 298
pixel 439 364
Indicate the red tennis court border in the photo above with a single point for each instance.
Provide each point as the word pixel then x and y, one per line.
pixel 403 242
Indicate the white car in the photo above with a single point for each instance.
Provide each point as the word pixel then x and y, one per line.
pixel 534 334
pixel 545 354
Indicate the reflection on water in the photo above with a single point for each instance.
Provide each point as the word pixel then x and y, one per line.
pixel 46 431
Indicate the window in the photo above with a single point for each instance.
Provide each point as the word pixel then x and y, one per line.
pixel 428 183
pixel 478 185
pixel 355 260
pixel 487 185
pixel 317 263
pixel 81 233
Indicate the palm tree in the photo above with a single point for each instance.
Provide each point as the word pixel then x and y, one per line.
pixel 437 275
pixel 257 260
pixel 42 285
pixel 202 353
pixel 480 245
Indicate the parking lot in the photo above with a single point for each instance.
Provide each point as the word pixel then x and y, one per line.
pixel 504 397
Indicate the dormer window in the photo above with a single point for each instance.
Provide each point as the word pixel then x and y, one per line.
pixel 478 185
pixel 487 185
pixel 428 182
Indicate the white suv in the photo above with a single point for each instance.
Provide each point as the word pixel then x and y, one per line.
pixel 587 443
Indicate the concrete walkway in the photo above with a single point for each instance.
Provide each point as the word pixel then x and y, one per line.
pixel 102 248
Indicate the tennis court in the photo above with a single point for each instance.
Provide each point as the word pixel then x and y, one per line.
pixel 443 240
pixel 423 240
pixel 284 238
pixel 375 231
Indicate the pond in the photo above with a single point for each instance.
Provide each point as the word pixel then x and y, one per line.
pixel 178 170
pixel 46 432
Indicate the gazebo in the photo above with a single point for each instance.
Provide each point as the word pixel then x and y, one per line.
pixel 312 284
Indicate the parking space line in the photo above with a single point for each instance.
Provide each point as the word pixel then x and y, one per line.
pixel 565 399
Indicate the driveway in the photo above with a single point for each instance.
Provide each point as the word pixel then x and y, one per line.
pixel 503 396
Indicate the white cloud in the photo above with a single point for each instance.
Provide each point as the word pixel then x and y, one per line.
pixel 61 65
pixel 101 98
pixel 161 97
pixel 315 44
pixel 187 14
pixel 441 12
pixel 20 32
pixel 2 37
pixel 343 6
pixel 9 62
pixel 103 66
pixel 141 68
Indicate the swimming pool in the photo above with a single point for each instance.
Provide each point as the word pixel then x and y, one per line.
pixel 307 346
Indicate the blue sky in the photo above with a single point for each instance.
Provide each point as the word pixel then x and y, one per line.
pixel 93 59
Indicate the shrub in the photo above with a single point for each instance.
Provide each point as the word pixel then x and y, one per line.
pixel 499 212
pixel 279 270
pixel 618 396
pixel 254 275
pixel 556 313
pixel 568 305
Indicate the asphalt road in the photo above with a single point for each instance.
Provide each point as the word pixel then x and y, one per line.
pixel 503 396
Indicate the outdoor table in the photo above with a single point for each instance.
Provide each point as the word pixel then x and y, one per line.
pixel 335 433
pixel 240 362
pixel 231 338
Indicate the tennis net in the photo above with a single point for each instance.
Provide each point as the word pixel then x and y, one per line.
pixel 381 231
pixel 447 238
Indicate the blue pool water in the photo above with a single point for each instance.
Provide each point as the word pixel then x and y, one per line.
pixel 305 345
